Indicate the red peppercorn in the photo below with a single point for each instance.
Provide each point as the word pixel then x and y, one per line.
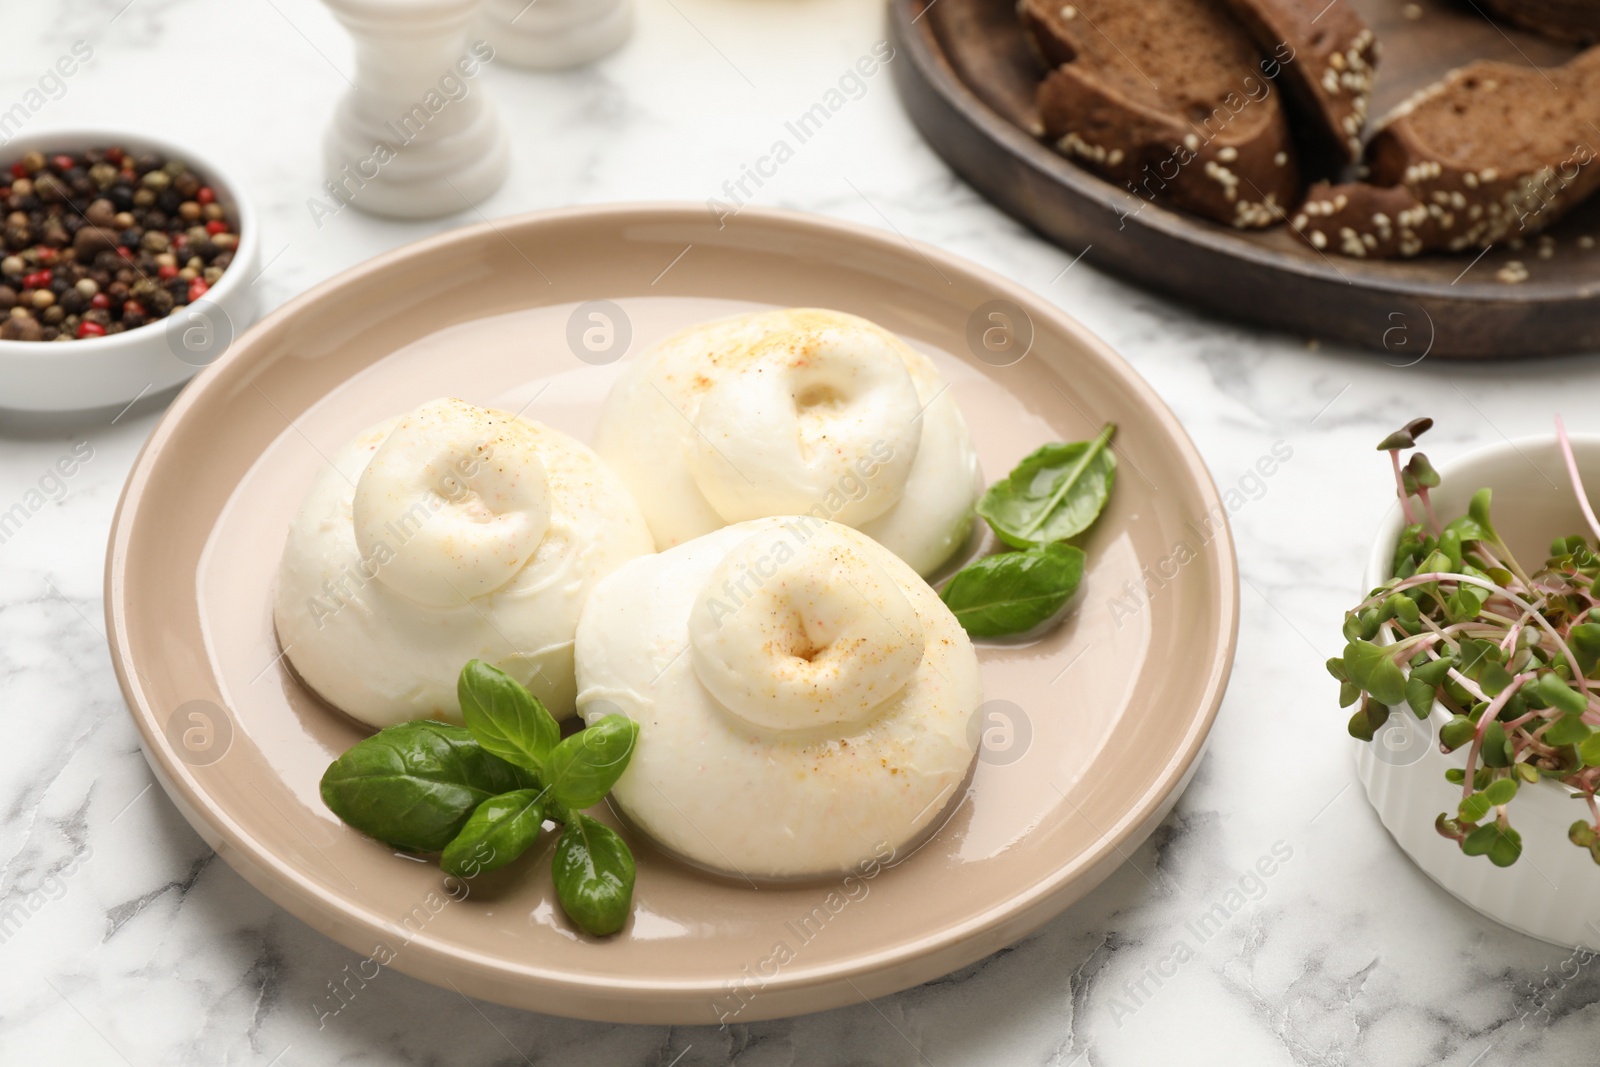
pixel 46 254
pixel 216 226
pixel 205 195
pixel 132 307
pixel 197 289
pixel 18 170
pixel 125 252
pixel 62 163
pixel 100 301
pixel 180 241
pixel 39 279
pixel 166 270
pixel 113 155
pixel 90 329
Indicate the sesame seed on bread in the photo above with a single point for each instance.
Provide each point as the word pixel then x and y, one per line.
pixel 1565 20
pixel 1327 55
pixel 1492 152
pixel 1167 97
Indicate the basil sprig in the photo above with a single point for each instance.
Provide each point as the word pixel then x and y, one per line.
pixel 594 875
pixel 1014 592
pixel 1054 494
pixel 480 795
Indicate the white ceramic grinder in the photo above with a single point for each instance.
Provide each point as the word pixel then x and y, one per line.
pixel 417 135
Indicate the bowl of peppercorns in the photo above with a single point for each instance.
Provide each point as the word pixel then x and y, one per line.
pixel 126 265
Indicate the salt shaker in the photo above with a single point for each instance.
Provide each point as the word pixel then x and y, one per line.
pixel 417 136
pixel 556 34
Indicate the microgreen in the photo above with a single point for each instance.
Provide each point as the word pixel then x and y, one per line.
pixel 1513 657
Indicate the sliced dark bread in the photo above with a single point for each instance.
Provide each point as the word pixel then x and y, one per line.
pixel 1327 56
pixel 1168 98
pixel 1491 153
pixel 1565 20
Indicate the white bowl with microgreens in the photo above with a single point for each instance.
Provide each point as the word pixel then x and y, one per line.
pixel 1490 692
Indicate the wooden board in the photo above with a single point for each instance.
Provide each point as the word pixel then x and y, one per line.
pixel 967 78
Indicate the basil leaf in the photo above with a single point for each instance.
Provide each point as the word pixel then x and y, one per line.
pixel 583 768
pixel 593 872
pixel 505 718
pixel 500 829
pixel 1053 494
pixel 1013 592
pixel 415 785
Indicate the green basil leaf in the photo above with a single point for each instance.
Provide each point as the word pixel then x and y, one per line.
pixel 1568 730
pixel 501 829
pixel 593 872
pixel 415 785
pixel 1053 494
pixel 1013 592
pixel 582 769
pixel 505 718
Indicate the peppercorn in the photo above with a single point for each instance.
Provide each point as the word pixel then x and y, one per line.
pixel 91 329
pixel 8 298
pixel 53 315
pixel 43 298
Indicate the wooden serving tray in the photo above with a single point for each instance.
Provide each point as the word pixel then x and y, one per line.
pixel 967 78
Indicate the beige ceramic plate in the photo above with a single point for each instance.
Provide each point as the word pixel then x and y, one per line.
pixel 1091 732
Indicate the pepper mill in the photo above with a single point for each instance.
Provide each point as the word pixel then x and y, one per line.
pixel 417 135
pixel 556 34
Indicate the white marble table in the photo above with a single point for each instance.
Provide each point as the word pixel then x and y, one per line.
pixel 141 948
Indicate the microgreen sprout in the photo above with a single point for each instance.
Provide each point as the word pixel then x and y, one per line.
pixel 1513 658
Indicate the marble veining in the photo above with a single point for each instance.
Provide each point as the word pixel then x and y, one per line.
pixel 123 941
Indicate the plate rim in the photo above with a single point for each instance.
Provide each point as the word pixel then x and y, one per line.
pixel 1006 921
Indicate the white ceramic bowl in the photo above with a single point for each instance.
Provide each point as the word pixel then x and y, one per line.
pixel 101 371
pixel 1552 892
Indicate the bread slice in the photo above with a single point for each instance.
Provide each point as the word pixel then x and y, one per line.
pixel 1565 20
pixel 1492 152
pixel 1168 98
pixel 1325 57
